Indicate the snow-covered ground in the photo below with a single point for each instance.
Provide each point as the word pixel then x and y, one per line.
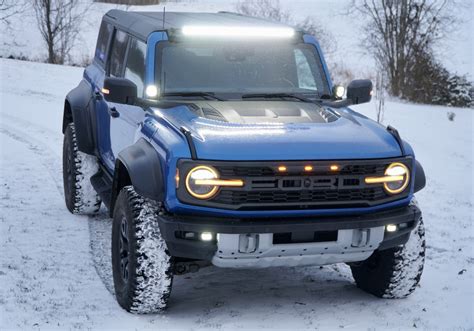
pixel 455 51
pixel 55 267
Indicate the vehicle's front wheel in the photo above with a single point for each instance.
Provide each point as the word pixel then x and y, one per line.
pixel 78 168
pixel 142 267
pixel 393 273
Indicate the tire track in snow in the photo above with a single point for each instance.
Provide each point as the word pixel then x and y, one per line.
pixel 100 242
pixel 24 122
pixel 51 163
pixel 99 226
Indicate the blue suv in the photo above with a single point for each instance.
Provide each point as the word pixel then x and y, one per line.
pixel 219 139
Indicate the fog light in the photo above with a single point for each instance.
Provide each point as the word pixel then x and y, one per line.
pixel 206 236
pixel 391 228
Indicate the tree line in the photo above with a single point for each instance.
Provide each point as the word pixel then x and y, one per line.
pixel 401 35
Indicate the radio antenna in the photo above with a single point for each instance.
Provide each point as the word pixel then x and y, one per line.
pixel 164 16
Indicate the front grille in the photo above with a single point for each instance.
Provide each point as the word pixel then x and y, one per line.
pixel 266 188
pixel 262 197
pixel 235 171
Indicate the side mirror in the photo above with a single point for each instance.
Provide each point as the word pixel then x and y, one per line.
pixel 359 91
pixel 119 90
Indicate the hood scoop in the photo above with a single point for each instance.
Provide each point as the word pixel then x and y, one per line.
pixel 254 112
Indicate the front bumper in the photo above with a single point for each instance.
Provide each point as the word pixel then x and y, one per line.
pixel 172 225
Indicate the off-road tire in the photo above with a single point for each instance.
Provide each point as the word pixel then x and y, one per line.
pixel 144 284
pixel 393 273
pixel 78 168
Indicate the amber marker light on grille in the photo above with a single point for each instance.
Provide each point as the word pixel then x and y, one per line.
pixel 334 167
pixel 282 169
pixel 308 168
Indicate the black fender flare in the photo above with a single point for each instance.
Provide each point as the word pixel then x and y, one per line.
pixel 78 100
pixel 420 179
pixel 144 169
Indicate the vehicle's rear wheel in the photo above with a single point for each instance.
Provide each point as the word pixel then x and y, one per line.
pixel 393 273
pixel 78 168
pixel 142 267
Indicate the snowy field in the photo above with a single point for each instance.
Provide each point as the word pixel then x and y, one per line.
pixel 55 267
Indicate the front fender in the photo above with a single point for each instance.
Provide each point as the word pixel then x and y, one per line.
pixel 79 102
pixel 144 169
pixel 420 178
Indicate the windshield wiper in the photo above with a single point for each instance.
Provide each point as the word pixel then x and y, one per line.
pixel 275 95
pixel 192 94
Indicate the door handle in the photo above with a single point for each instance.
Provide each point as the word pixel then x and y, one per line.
pixel 114 112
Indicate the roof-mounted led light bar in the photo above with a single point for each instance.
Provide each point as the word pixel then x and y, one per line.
pixel 237 32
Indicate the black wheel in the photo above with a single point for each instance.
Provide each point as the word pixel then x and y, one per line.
pixel 78 168
pixel 142 267
pixel 393 273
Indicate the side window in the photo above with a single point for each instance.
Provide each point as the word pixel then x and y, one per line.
pixel 117 56
pixel 303 69
pixel 135 69
pixel 102 43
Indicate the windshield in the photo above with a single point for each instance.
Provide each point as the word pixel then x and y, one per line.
pixel 240 68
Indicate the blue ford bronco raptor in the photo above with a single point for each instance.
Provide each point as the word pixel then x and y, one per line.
pixel 220 139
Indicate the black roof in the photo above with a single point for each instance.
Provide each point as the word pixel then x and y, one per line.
pixel 142 23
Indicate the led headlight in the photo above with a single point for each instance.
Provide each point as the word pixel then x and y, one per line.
pixel 400 175
pixel 194 181
pixel 203 182
pixel 395 179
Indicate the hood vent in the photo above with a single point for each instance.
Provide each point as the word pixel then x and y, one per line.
pixel 328 115
pixel 213 114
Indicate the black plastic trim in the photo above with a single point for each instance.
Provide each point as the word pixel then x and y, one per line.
pixel 144 168
pixel 169 224
pixel 420 178
pixel 102 183
pixel 79 99
pixel 189 139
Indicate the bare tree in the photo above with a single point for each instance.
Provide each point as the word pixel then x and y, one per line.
pixel 9 8
pixel 59 22
pixel 380 96
pixel 398 31
pixel 269 9
pixel 272 10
